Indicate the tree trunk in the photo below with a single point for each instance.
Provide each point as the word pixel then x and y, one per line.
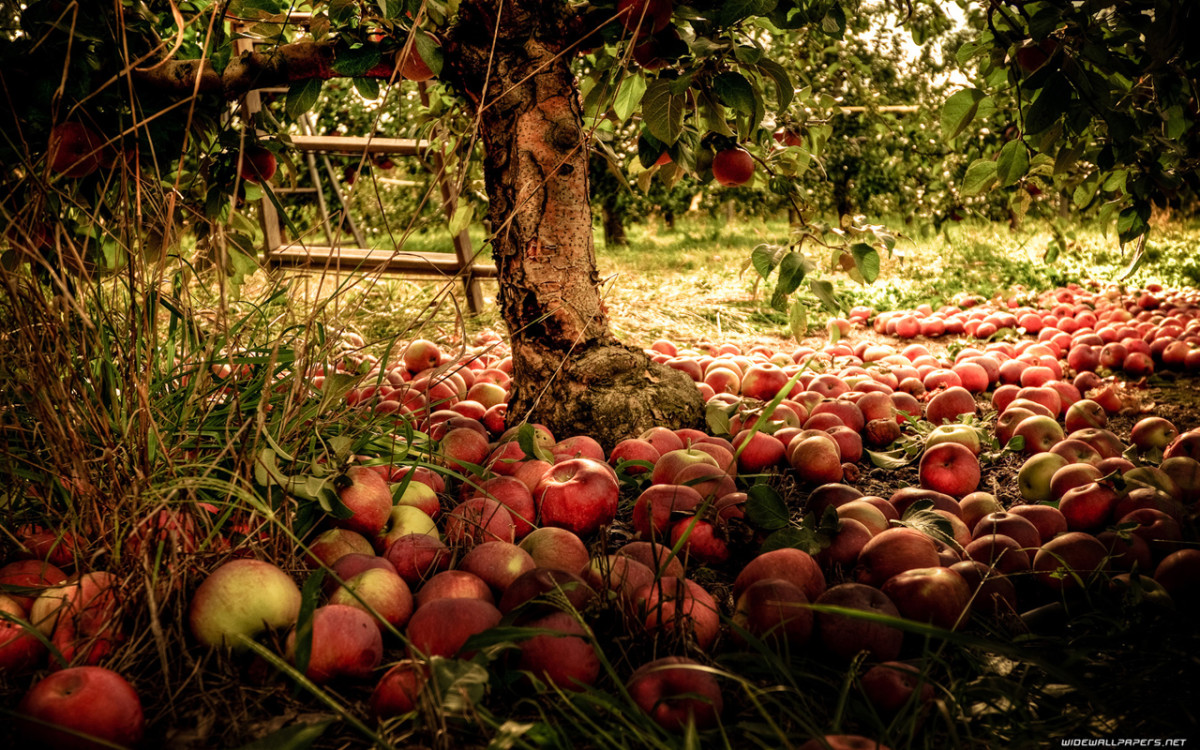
pixel 569 371
pixel 614 227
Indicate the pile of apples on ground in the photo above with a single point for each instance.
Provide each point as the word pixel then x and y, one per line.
pixel 423 562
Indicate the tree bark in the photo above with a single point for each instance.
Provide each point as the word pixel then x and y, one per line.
pixel 570 372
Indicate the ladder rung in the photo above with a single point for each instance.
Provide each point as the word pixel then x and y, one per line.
pixel 288 190
pixel 340 144
pixel 364 259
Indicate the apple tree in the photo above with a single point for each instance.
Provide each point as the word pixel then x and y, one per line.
pixel 1101 98
pixel 97 94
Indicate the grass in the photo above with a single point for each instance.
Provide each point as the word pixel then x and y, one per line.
pixel 115 407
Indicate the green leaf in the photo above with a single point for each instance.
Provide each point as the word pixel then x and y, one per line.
pixel 1177 122
pixel 801 538
pixel 663 111
pixel 735 92
pixel 866 260
pixel 970 50
pixel 959 110
pixel 713 115
pixel 784 88
pixel 632 89
pixel 294 737
pixel 368 88
pixel 717 417
pixel 834 22
pixel 921 517
pixel 1133 222
pixel 526 438
pixel 765 508
pixel 1053 249
pixel 1013 162
pixel 1051 104
pixel 353 61
pixel 733 11
pixel 798 320
pixel 764 259
pixel 301 97
pixel 463 213
pixel 979 177
pixel 1067 156
pixel 461 683
pixel 891 459
pixel 430 52
pixel 824 292
pixel 792 270
pixel 1086 190
pixel 341 11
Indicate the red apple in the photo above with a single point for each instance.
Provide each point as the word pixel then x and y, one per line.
pixel 380 591
pixel 334 543
pixel 399 690
pixel 977 505
pixel 675 692
pixel 991 592
pixel 950 468
pixel 497 563
pixel 566 659
pixel 454 584
pixel 949 404
pixel 74 150
pixel 1151 433
pixel 816 459
pixel 845 635
pixel 579 495
pixel 772 608
pixel 1088 507
pixel 1068 560
pixel 998 551
pixel 895 551
pixel 673 462
pixel 657 557
pixel 346 643
pixel 788 563
pixel 1039 432
pixel 936 595
pixel 1179 574
pixel 417 557
pixel 81 708
pixel 23 580
pixel 892 685
pixel 557 549
pixel 441 627
pixel 516 498
pixel 367 496
pixel 1049 521
pixel 681 607
pixel 479 520
pixel 653 508
pixel 20 648
pixel 633 449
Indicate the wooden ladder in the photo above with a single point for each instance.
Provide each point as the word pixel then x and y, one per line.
pixel 338 256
